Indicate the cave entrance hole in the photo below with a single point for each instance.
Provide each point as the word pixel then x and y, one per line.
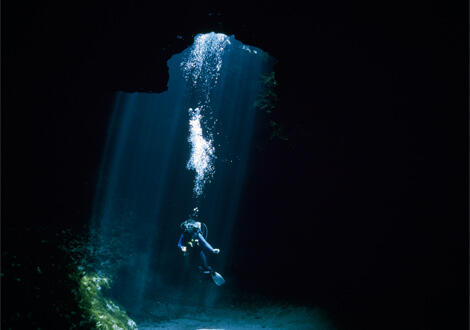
pixel 173 155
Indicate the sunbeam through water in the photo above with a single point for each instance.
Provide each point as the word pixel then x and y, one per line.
pixel 146 187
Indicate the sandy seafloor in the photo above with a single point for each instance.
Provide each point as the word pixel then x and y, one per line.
pixel 165 315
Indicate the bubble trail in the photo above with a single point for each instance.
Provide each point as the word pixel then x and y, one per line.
pixel 202 70
pixel 202 152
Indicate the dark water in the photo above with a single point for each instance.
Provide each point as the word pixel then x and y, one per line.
pixel 157 171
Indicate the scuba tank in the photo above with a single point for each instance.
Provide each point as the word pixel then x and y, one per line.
pixel 190 225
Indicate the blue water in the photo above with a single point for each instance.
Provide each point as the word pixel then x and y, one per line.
pixel 172 155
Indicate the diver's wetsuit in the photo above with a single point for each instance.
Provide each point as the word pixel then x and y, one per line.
pixel 196 240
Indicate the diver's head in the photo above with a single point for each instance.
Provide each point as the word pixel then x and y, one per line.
pixel 191 225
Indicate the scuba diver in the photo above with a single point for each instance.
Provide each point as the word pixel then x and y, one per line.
pixel 194 238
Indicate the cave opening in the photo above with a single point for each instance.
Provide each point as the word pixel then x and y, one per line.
pixel 172 156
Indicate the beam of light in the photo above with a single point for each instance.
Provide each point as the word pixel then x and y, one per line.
pixel 159 158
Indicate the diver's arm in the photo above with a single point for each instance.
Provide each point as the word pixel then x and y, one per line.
pixel 180 244
pixel 206 244
pixel 180 241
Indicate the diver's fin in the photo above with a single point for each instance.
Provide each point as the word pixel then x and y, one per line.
pixel 206 271
pixel 217 278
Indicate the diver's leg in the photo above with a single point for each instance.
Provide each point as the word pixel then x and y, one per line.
pixel 205 266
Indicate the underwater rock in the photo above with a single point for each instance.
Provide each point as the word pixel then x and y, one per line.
pixel 104 311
